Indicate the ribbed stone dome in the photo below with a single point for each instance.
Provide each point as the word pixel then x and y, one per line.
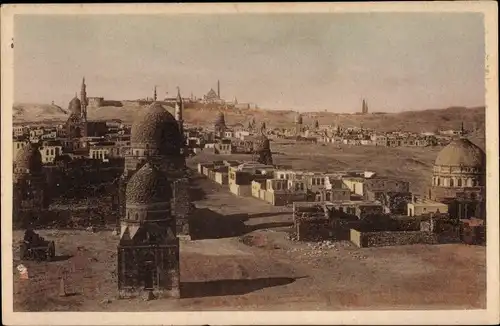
pixel 148 186
pixel 75 106
pixel 461 152
pixel 29 159
pixel 157 128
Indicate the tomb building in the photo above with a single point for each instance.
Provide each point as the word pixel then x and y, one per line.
pixel 156 138
pixel 262 150
pixel 148 251
pixel 220 125
pixel 29 184
pixel 459 179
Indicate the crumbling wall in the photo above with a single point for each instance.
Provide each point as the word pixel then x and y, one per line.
pixel 314 229
pixel 65 218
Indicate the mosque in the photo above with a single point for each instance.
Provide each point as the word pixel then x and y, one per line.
pixel 459 179
pixel 458 185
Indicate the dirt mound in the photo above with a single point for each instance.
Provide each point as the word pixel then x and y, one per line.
pixel 258 241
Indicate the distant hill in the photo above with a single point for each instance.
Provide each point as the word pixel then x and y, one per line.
pixel 26 112
pixel 416 121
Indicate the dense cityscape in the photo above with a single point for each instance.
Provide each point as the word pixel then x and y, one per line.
pixel 249 162
pixel 134 180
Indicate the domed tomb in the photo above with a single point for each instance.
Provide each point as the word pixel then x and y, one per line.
pixel 148 186
pixel 262 150
pixel 28 160
pixel 75 106
pixel 29 180
pixel 148 251
pixel 461 152
pixel 156 131
pixel 459 170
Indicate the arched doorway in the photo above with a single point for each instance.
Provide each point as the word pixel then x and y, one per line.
pixel 148 271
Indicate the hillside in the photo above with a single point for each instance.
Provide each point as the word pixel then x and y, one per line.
pixel 417 121
pixel 27 112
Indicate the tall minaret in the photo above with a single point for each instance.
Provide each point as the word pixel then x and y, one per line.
pixel 218 89
pixel 364 109
pixel 83 99
pixel 154 94
pixel 179 106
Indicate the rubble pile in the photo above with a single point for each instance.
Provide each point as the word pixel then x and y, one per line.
pixel 324 248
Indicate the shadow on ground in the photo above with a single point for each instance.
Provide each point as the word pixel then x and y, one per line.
pixel 196 193
pixel 208 224
pixel 269 214
pixel 231 287
pixel 61 257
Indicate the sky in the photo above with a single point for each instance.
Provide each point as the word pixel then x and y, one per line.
pixel 305 62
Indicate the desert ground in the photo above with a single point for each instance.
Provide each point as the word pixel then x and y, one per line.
pixel 411 164
pixel 241 258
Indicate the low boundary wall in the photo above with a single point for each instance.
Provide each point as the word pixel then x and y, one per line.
pixel 391 238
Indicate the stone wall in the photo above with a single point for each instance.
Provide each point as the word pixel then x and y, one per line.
pixel 392 238
pixel 315 229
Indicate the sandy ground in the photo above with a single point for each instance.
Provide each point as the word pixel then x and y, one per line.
pixel 243 261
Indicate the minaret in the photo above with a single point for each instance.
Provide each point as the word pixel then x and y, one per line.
pixel 154 94
pixel 364 108
pixel 218 89
pixel 83 99
pixel 179 107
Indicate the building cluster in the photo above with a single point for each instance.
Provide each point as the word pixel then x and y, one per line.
pixel 368 209
pixel 359 136
pixel 357 192
pixel 212 98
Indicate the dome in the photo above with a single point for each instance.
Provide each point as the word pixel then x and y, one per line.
pixel 220 119
pixel 29 158
pixel 461 152
pixel 148 186
pixel 75 106
pixel 156 127
pixel 261 143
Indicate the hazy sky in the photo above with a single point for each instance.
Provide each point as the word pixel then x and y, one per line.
pixel 405 61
